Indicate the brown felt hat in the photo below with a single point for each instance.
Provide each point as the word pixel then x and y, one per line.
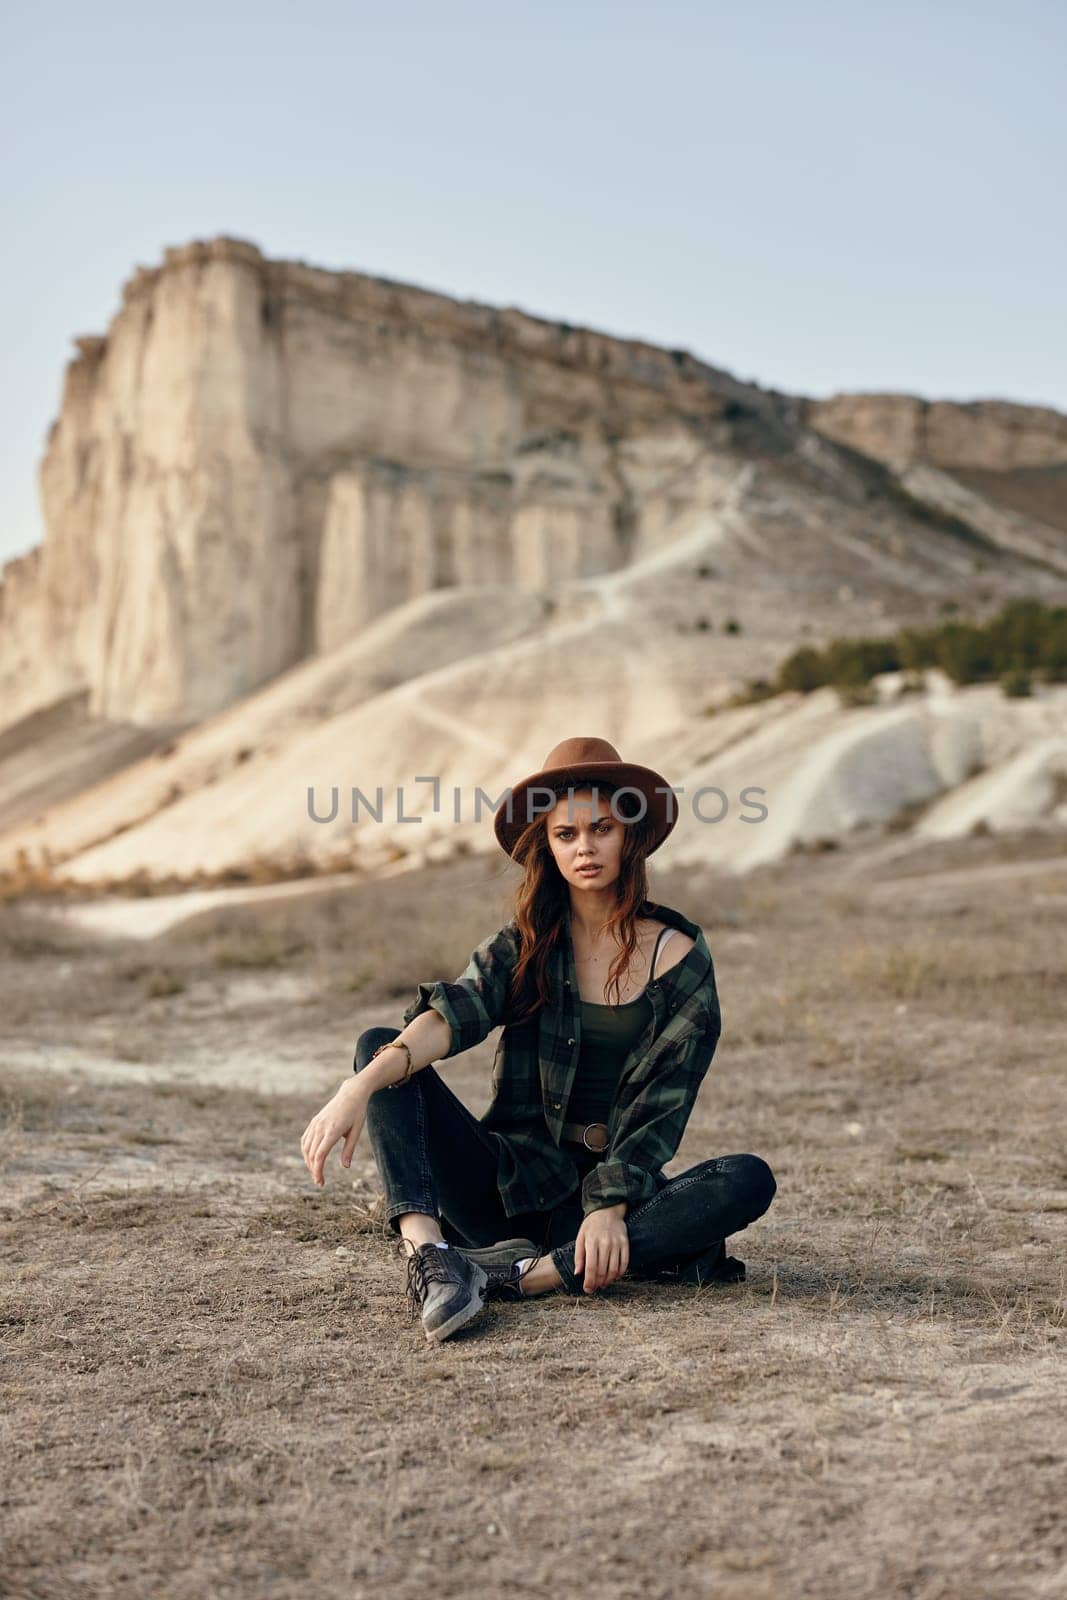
pixel 577 763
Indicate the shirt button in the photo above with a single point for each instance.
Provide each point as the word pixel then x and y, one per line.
pixel 570 1041
pixel 555 1105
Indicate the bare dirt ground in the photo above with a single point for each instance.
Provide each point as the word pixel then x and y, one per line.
pixel 210 1385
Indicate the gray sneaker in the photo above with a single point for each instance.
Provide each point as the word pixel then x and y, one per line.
pixel 501 1254
pixel 499 1262
pixel 446 1288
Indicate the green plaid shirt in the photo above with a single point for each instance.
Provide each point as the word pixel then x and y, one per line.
pixel 536 1063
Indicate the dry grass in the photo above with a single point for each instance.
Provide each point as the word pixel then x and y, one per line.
pixel 210 1386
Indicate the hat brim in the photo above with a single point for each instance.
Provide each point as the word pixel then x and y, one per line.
pixel 662 807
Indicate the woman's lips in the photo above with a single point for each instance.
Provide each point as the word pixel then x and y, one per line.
pixel 589 872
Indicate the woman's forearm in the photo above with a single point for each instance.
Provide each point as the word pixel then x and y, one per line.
pixel 427 1036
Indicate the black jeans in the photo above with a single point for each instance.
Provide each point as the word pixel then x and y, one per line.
pixel 434 1156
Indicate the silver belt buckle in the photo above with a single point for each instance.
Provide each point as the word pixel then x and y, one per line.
pixel 587 1130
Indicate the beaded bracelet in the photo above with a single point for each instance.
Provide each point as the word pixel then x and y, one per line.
pixel 396 1044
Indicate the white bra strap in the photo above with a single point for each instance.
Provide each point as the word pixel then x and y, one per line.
pixel 664 935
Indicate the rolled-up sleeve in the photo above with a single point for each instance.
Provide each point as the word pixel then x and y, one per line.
pixel 474 1004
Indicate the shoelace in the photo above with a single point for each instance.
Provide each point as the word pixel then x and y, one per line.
pixel 538 1255
pixel 506 1279
pixel 422 1267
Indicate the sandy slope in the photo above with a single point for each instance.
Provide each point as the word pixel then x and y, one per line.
pixel 470 687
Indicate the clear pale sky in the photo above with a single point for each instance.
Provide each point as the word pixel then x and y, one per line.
pixel 816 197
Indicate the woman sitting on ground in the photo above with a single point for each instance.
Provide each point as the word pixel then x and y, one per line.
pixel 591 1091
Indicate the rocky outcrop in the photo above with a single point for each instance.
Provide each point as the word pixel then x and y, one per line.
pixel 260 456
pixel 997 469
pixel 901 429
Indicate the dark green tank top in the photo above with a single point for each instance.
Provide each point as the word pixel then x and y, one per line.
pixel 609 1033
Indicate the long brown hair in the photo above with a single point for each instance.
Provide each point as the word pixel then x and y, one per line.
pixel 542 901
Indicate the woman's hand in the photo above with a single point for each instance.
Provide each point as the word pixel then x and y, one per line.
pixel 602 1248
pixel 340 1118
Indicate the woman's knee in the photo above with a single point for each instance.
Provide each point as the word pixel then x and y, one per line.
pixel 756 1180
pixel 368 1042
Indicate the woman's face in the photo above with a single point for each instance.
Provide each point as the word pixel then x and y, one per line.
pixel 582 833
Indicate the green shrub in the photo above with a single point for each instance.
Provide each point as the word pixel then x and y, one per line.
pixel 917 648
pixel 856 661
pixel 1016 683
pixel 804 670
pixel 1025 639
pixel 856 694
pixel 760 689
pixel 1052 653
pixel 966 652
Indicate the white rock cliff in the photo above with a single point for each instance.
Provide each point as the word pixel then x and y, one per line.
pixel 261 456
pixel 309 528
